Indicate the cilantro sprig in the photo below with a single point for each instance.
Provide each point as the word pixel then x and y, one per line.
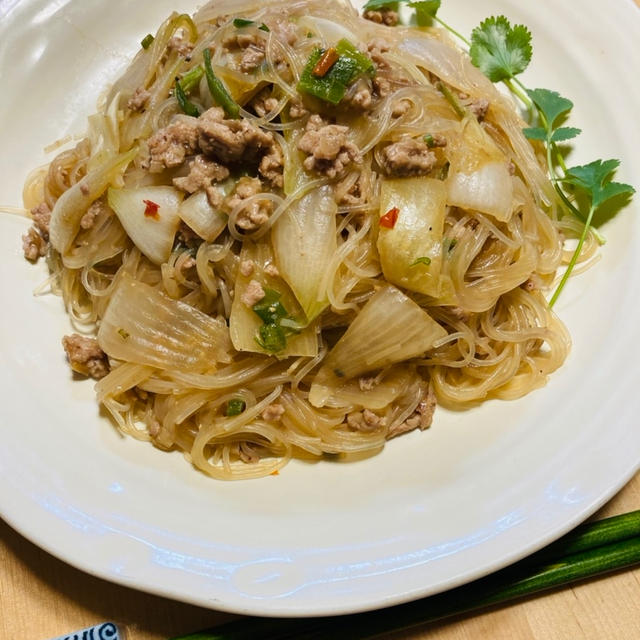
pixel 502 52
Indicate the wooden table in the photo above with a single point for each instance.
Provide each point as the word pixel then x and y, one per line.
pixel 41 597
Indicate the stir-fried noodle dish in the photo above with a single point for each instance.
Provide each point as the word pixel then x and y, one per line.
pixel 292 230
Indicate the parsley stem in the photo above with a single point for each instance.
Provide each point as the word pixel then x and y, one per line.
pixel 574 257
pixel 452 30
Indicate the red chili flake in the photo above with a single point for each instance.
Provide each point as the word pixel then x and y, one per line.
pixel 389 219
pixel 152 209
pixel 327 60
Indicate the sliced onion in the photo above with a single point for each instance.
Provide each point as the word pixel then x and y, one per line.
pixel 144 326
pixel 304 240
pixel 489 190
pixel 390 328
pixel 152 233
pixel 197 212
pixel 74 202
pixel 416 238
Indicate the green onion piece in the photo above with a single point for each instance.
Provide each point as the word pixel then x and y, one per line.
pixel 606 545
pixel 263 27
pixel 234 407
pixel 429 140
pixel 270 309
pixel 272 338
pixel 240 23
pixel 461 112
pixel 332 86
pixel 187 107
pixel 147 41
pixel 190 79
pixel 218 91
pixel 423 260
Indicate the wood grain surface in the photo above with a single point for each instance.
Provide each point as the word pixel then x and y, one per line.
pixel 42 597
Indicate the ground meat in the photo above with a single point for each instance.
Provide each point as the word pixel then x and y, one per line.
pixel 329 150
pixel 241 40
pixel 273 412
pixel 421 418
pixel 34 245
pixel 400 108
pixel 42 218
pixel 271 165
pixel 169 147
pixel 297 110
pixel 408 157
pixel 188 237
pixel 385 16
pixel 247 267
pixel 85 356
pixel 376 48
pixel 181 45
pixel 478 106
pixel 251 59
pixel 264 102
pixel 252 294
pixel 272 270
pixel 202 174
pixel 365 421
pixel 438 140
pixel 382 86
pixel 284 30
pixel 252 46
pixel 138 101
pixel 232 140
pixel 257 212
pixel 359 96
pixel 89 218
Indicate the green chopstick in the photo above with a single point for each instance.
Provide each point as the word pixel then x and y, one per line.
pixel 590 550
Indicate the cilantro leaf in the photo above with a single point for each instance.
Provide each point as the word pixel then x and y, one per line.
pixel 595 179
pixel 535 133
pixel 499 50
pixel 425 11
pixel 550 103
pixel 565 133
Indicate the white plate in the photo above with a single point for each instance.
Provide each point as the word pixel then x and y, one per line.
pixel 479 490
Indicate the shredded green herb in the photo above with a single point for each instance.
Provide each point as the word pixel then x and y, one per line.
pixel 428 138
pixel 333 85
pixel 124 334
pixel 147 41
pixel 185 104
pixel 241 23
pixel 218 91
pixel 234 407
pixel 426 260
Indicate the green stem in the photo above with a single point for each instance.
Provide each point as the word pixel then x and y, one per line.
pixel 452 30
pixel 574 257
pixel 461 112
pixel 588 551
pixel 521 92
